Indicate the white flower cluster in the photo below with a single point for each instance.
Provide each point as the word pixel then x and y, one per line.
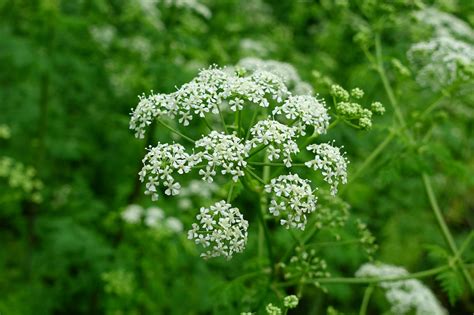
pixel 284 70
pixel 441 61
pixel 205 94
pixel 153 217
pixel 192 5
pixel 160 164
pixel 331 162
pixel 292 199
pixel 405 295
pixel 221 229
pixel 224 151
pixel 308 110
pixel 445 24
pixel 279 138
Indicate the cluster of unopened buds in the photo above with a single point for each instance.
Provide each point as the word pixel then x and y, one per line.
pixel 254 119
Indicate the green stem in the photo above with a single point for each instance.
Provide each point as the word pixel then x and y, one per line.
pixel 258 149
pixel 444 228
pixel 175 131
pixel 275 164
pixel 373 280
pixel 256 176
pixel 383 75
pixel 375 153
pixel 366 299
pixel 222 118
pixel 229 195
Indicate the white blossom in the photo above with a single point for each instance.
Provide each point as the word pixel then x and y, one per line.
pixel 331 162
pixel 284 70
pixel 174 224
pixel 307 111
pixel 160 165
pixel 441 62
pixel 132 214
pixel 279 138
pixel 154 216
pixel 404 295
pixel 291 200
pixel 221 230
pixel 445 24
pixel 222 152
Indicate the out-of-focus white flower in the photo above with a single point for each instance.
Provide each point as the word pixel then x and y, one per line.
pixel 291 200
pixel 441 62
pixel 445 24
pixel 174 224
pixel 307 111
pixel 331 162
pixel 405 295
pixel 221 229
pixel 103 35
pixel 159 166
pixel 192 5
pixel 154 216
pixel 132 214
pixel 224 152
pixel 279 138
pixel 284 70
pixel 253 47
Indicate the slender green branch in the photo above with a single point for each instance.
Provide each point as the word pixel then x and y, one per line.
pixel 208 125
pixel 444 228
pixel 374 280
pixel 175 131
pixel 231 190
pixel 258 149
pixel 370 159
pixel 276 164
pixel 222 118
pixel 365 301
pixel 252 173
pixel 383 75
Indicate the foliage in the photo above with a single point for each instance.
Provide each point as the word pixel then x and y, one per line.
pixel 80 236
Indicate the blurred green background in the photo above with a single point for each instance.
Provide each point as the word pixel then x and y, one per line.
pixel 70 73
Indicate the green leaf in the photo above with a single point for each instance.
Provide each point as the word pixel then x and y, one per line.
pixel 452 284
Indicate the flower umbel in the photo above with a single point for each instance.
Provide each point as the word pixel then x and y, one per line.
pixel 221 229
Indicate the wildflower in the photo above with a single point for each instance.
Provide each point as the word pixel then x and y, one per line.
pixel 174 224
pixel 339 93
pixel 404 295
pixel 153 216
pixel 221 230
pixel 377 108
pixel 305 266
pixel 305 110
pixel 161 163
pixel 273 310
pixel 226 152
pixel 292 199
pixel 290 301
pixel 441 62
pixel 357 93
pixel 284 70
pixel 279 138
pixel 444 24
pixel 132 214
pixel 331 162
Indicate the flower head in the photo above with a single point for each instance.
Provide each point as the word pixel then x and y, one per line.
pixel 331 162
pixel 221 229
pixel 292 199
pixel 224 152
pixel 279 138
pixel 308 110
pixel 160 165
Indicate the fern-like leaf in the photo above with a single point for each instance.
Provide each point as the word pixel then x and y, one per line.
pixel 452 284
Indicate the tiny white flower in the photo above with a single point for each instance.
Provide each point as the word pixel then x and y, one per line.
pixel 132 214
